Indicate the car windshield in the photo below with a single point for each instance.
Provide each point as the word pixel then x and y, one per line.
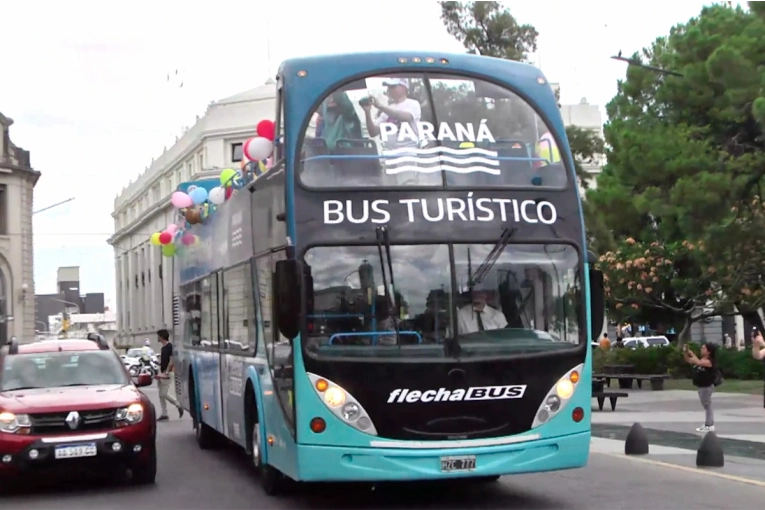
pixel 523 298
pixel 428 130
pixel 135 353
pixel 656 341
pixel 53 370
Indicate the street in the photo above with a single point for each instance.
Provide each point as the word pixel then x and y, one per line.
pixel 195 479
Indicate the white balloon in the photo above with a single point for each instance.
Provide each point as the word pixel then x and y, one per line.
pixel 217 195
pixel 258 149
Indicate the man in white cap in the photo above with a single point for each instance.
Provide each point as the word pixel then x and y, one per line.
pixel 397 126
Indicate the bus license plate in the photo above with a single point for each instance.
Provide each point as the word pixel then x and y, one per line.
pixel 77 451
pixel 452 464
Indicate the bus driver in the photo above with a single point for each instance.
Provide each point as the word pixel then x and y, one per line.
pixel 479 316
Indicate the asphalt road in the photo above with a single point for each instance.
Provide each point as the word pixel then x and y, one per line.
pixel 193 479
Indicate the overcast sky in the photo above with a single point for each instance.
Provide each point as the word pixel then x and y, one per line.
pixel 90 97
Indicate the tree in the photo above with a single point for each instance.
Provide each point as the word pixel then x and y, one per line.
pixel 487 28
pixel 685 169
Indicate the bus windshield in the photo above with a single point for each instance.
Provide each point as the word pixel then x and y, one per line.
pixel 520 299
pixel 428 130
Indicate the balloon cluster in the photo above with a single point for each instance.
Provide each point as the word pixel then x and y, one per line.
pixel 196 204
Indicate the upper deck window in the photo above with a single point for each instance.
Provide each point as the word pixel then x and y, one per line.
pixel 428 130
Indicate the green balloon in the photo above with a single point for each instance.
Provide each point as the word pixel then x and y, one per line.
pixel 168 250
pixel 227 176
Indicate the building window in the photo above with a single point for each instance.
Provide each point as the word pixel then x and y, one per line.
pixel 236 152
pixel 201 159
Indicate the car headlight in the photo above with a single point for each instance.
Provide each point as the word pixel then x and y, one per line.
pixel 14 423
pixel 129 415
pixel 342 404
pixel 558 396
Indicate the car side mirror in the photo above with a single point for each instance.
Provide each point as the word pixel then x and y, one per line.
pixel 287 276
pixel 597 303
pixel 142 380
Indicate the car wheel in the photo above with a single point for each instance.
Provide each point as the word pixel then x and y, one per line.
pixel 145 473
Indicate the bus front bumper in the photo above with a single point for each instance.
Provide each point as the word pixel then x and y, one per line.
pixel 337 463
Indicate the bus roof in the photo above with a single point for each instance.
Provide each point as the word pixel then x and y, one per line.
pixel 400 61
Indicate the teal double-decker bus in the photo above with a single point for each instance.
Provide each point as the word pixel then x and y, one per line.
pixel 406 294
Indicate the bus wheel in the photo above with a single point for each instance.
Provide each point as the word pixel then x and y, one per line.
pixel 272 480
pixel 204 434
pixel 255 446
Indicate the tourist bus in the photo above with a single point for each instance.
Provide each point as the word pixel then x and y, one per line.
pixel 406 294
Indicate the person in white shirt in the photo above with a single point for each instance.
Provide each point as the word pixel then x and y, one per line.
pixel 401 110
pixel 479 316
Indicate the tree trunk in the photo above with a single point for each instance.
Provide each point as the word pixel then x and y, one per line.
pixel 685 334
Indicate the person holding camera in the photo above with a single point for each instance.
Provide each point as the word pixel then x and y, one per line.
pixel 704 378
pixel 401 110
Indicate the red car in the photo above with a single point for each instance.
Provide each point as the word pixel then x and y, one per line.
pixel 69 406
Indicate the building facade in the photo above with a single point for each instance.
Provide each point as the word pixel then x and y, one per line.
pixel 143 276
pixel 67 299
pixel 17 183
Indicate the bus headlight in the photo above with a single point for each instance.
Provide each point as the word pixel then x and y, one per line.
pixel 342 404
pixel 558 396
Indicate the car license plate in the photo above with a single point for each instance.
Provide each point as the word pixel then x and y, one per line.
pixel 453 464
pixel 76 451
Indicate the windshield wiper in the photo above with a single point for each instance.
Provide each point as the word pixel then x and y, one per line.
pixel 383 239
pixel 492 257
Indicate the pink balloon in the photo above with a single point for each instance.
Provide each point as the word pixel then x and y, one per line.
pixel 187 239
pixel 172 228
pixel 269 163
pixel 179 199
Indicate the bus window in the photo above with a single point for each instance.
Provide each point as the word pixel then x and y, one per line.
pixel 428 130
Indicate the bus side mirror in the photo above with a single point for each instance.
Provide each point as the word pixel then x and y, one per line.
pixel 287 296
pixel 597 303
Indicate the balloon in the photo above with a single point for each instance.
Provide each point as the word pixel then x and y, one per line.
pixel 154 239
pixel 193 216
pixel 187 239
pixel 266 129
pixel 258 149
pixel 198 196
pixel 190 189
pixel 172 229
pixel 217 195
pixel 229 192
pixel 168 250
pixel 227 177
pixel 165 238
pixel 269 163
pixel 179 199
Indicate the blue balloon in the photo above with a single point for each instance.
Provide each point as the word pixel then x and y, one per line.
pixel 198 196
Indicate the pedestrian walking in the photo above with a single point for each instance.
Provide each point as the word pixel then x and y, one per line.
pixel 705 377
pixel 165 376
pixel 758 349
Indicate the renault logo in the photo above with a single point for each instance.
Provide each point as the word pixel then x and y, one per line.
pixel 73 420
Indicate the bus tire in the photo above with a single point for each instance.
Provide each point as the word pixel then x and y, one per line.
pixel 272 480
pixel 205 435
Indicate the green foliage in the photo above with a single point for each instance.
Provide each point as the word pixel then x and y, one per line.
pixel 686 164
pixel 487 28
pixel 733 364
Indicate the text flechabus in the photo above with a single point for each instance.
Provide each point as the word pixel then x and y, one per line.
pixel 435 210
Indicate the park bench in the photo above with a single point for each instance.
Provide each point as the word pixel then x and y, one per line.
pixel 601 395
pixel 625 380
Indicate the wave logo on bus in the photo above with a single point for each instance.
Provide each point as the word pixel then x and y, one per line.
pixel 402 150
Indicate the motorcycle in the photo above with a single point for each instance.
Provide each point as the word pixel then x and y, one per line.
pixel 142 366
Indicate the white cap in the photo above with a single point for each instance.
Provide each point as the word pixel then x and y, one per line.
pixel 147 342
pixel 390 82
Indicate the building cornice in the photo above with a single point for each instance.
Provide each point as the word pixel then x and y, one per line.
pixel 27 172
pixel 215 134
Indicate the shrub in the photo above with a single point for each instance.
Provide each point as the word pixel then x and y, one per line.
pixel 733 363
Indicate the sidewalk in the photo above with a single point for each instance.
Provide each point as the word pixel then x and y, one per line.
pixel 670 419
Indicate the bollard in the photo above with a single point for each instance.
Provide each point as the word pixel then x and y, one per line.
pixel 637 441
pixel 710 453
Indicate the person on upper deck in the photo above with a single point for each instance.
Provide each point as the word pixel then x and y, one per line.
pixel 402 110
pixel 338 120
